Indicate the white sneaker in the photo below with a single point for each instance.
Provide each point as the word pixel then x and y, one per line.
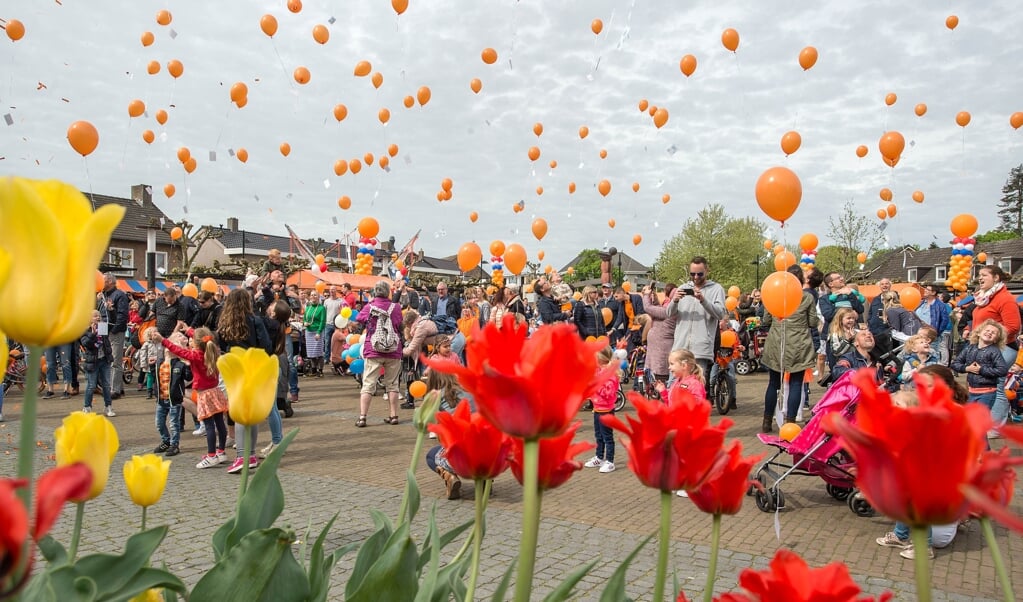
pixel 682 493
pixel 199 432
pixel 992 434
pixel 607 467
pixel 110 412
pixel 263 453
pixel 221 456
pixel 86 410
pixel 594 462
pixel 208 462
pixel 432 434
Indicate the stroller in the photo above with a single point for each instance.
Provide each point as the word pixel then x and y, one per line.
pixel 814 453
pixel 753 337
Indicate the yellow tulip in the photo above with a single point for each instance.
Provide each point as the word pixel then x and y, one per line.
pixel 50 231
pixel 150 595
pixel 250 376
pixel 92 440
pixel 5 267
pixel 146 476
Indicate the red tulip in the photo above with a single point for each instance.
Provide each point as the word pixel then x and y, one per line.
pixel 992 488
pixel 13 532
pixel 894 447
pixel 527 388
pixel 723 493
pixel 672 446
pixel 789 579
pixel 557 455
pixel 473 447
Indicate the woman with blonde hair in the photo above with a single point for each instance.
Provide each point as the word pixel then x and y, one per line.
pixel 586 315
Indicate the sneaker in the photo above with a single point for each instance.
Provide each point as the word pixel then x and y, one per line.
pixel 171 451
pixel 110 412
pixel 253 461
pixel 408 405
pixel 594 462
pixel 890 540
pixel 235 466
pixel 1014 417
pixel 201 431
pixel 432 434
pixel 162 448
pixel 208 462
pixel 910 553
pixel 267 450
pixel 86 410
pixel 49 395
pixel 993 434
pixel 607 467
pixel 66 395
pixel 682 493
pixel 221 456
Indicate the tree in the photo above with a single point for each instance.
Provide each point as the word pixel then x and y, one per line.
pixel 1011 203
pixel 996 235
pixel 852 233
pixel 192 239
pixel 733 247
pixel 587 267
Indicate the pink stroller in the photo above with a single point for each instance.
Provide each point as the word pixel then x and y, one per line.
pixel 815 453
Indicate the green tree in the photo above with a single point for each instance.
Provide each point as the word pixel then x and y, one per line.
pixel 997 235
pixel 1011 204
pixel 852 233
pixel 733 246
pixel 587 267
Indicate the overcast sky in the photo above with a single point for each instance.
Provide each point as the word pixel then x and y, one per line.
pixel 84 61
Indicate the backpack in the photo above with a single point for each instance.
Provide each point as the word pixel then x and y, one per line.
pixel 384 339
pixel 445 324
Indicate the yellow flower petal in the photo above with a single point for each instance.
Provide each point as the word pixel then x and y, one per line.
pixel 90 439
pixel 250 376
pixel 146 477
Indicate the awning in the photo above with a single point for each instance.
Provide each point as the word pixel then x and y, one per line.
pixel 130 286
pixel 305 279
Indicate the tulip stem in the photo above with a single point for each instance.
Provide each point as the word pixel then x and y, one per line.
pixel 996 556
pixel 715 541
pixel 663 544
pixel 144 508
pixel 921 562
pixel 482 493
pixel 247 450
pixel 27 446
pixel 530 519
pixel 420 437
pixel 76 533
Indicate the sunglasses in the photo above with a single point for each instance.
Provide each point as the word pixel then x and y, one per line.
pixel 695 274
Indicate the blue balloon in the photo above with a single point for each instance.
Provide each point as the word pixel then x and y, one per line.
pixel 357 366
pixel 355 350
pixel 625 364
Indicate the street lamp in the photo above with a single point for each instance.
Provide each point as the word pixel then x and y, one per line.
pixel 756 262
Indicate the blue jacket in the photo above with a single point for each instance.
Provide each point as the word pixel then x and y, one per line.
pixel 940 319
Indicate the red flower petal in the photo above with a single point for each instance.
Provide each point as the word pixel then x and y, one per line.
pixel 13 527
pixel 473 447
pixel 789 579
pixel 724 492
pixel 557 460
pixel 55 487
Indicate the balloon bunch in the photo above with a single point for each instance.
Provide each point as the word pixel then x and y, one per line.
pixel 319 265
pixel 808 244
pixel 963 227
pixel 400 266
pixel 732 301
pixel 497 263
pixel 364 256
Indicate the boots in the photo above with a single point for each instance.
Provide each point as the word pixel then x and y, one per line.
pixel 768 425
pixel 452 483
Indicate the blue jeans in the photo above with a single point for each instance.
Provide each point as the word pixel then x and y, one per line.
pixel 165 410
pixel 987 399
pixel 328 332
pixel 1000 408
pixel 605 437
pixel 100 376
pixel 292 373
pixel 902 532
pixel 65 364
pixel 795 395
pixel 276 428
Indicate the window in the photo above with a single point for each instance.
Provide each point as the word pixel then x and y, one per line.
pixel 161 261
pixel 911 274
pixel 1005 265
pixel 121 257
pixel 940 273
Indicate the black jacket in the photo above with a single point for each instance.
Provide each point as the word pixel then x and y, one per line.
pixel 94 349
pixel 992 365
pixel 207 317
pixel 453 309
pixel 588 320
pixel 550 311
pixel 118 316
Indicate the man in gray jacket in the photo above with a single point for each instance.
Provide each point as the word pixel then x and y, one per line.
pixel 699 305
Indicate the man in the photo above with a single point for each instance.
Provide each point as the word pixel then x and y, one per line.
pixel 699 305
pixel 875 312
pixel 425 303
pixel 332 303
pixel 607 300
pixel 933 312
pixel 404 295
pixel 859 357
pixel 114 309
pixel 444 304
pixel 630 305
pixel 839 295
pixel 348 297
pixel 170 312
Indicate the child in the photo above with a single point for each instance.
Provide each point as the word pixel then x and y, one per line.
pixel 170 393
pixel 982 361
pixel 442 350
pixel 918 353
pixel 211 402
pixel 96 358
pixel 451 394
pixel 145 359
pixel 688 376
pixel 338 345
pixel 604 405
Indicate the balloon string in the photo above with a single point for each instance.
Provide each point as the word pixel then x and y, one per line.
pixel 223 124
pixel 124 153
pixel 88 180
pixel 515 34
pixel 284 69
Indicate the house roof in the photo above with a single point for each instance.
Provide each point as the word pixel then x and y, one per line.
pixel 138 217
pixel 628 264
pixel 896 263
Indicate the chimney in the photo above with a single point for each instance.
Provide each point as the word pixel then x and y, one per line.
pixel 232 224
pixel 142 194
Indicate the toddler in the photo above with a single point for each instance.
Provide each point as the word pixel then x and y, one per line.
pixel 145 359
pixel 688 376
pixel 604 405
pixel 918 353
pixel 170 391
pixel 982 362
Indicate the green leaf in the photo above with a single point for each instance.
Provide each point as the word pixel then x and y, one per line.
pixel 432 554
pixel 615 589
pixel 85 588
pixel 243 574
pixel 52 550
pixel 392 575
pixel 320 567
pixel 148 578
pixel 502 587
pixel 371 548
pixel 445 539
pixel 564 590
pixel 112 572
pixel 413 495
pixel 288 581
pixel 450 581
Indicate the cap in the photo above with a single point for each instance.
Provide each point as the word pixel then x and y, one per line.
pixel 606 285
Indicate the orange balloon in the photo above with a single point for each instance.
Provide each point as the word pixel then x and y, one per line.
pixel 1016 120
pixel 687 65
pixel 302 75
pixel 963 118
pixel 885 194
pixel 384 161
pixel 136 108
pixel 539 255
pixel 767 245
pixel 83 137
pixel 603 153
pixel 515 258
pixel 489 56
pixel 778 193
pixel 446 194
pixel 982 257
pixel 242 154
pixel 585 131
pixel 538 129
pixel 918 196
pixel 963 225
pixel 344 203
pixel 476 85
pixel 392 149
pixel 643 105
pixel 596 26
pixel 184 154
pixel 892 210
pixel 951 21
pixel 783 260
pixel 571 188
pixel 163 17
pixel 666 199
pixel 400 6
pixel 295 6
pixel 861 257
pixel 790 142
pixel 660 117
pixel 635 186
pixel 416 388
pixel 190 165
pixel 153 67
pixel 553 164
pixel 321 34
pixel 176 233
pixel 882 214
pixel 340 167
pixel 533 153
pixel 469 256
pixel 147 36
pixel 604 187
pixel 168 190
pixel 446 184
pixel 175 68
pixel 734 291
pixel 891 145
pixel 651 110
pixel 355 166
pixel 910 298
pixel 148 136
pixel 807 57
pixel 285 149
pixel 861 151
pixel 362 68
pixel 384 115
pixel 409 102
pixel 423 95
pixel 473 217
pixel 890 98
pixel 808 242
pixel 15 29
pixel 789 431
pixel 340 112
pixel 268 23
pixel 611 223
pixel 369 227
pixel 730 304
pixel 209 285
pixel 730 39
pixel 778 248
pixel 320 286
pixel 239 91
pixel 377 79
pixel 920 109
pixel 539 228
pixel 781 294
pixel 637 239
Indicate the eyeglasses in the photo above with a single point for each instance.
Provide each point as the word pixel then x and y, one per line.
pixel 695 274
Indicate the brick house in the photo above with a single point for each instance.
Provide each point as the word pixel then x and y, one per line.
pixel 126 254
pixel 931 265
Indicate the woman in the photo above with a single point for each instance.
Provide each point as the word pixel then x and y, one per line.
pixel 482 306
pixel 419 332
pixel 789 348
pixel 992 301
pixel 586 315
pixel 550 311
pixel 240 327
pixel 513 302
pixel 497 307
pixel 897 317
pixel 315 321
pixel 661 336
pixel 208 315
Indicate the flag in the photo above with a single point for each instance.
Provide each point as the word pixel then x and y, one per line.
pixel 407 255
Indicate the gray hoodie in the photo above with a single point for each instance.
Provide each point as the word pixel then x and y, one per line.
pixel 698 320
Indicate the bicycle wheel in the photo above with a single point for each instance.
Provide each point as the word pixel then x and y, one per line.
pixel 722 393
pixel 620 400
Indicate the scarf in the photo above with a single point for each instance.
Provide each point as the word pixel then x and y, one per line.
pixel 981 298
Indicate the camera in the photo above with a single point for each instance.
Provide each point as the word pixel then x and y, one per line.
pixel 688 290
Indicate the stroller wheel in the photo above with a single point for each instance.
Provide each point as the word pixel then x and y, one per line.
pixel 860 506
pixel 839 493
pixel 743 367
pixel 769 500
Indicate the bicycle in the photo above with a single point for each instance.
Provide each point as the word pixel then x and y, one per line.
pixel 722 392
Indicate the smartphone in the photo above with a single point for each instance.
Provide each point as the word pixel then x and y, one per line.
pixel 688 290
pixel 102 329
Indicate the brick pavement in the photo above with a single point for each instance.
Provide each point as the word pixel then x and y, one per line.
pixel 334 467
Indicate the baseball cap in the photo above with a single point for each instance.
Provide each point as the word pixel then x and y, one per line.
pixel 606 285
